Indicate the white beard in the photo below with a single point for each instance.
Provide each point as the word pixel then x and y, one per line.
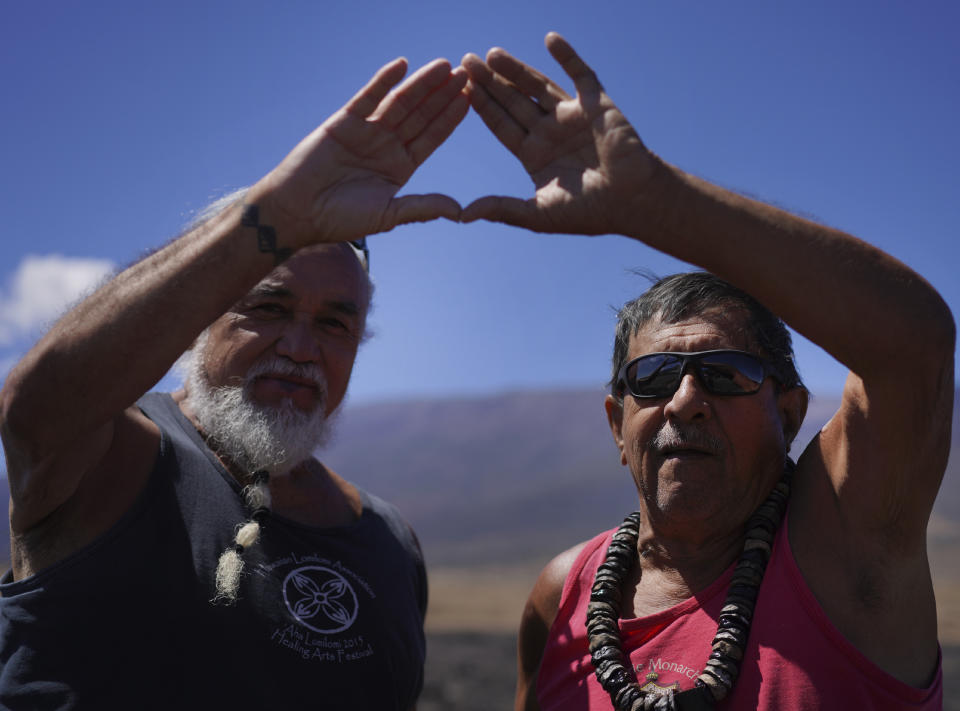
pixel 255 437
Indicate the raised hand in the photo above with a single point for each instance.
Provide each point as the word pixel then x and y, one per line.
pixel 589 166
pixel 340 182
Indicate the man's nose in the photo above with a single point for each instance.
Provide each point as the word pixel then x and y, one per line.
pixel 299 341
pixel 690 402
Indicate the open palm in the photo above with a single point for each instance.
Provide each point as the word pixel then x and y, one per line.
pixel 585 159
pixel 340 182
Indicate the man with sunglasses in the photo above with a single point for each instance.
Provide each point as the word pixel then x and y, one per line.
pixel 742 580
pixel 189 552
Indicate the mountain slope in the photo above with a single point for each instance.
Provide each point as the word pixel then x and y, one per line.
pixel 512 477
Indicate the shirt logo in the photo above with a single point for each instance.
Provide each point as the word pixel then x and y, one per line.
pixel 652 687
pixel 320 599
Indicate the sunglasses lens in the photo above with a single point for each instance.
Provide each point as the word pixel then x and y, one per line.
pixel 656 375
pixel 731 373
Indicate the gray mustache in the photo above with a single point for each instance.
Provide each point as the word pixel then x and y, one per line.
pixel 670 437
pixel 308 371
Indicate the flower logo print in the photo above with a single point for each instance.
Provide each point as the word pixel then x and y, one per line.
pixel 320 599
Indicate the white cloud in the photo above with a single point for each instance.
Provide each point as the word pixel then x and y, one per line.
pixel 41 288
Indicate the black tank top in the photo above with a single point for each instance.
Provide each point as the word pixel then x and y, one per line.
pixel 328 618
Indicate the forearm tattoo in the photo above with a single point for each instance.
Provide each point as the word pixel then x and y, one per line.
pixel 266 235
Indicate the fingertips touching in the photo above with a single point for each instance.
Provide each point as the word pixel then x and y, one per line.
pixel 475 93
pixel 473 212
pixel 458 78
pixel 476 68
pixel 479 97
pixel 507 210
pixel 498 208
pixel 423 208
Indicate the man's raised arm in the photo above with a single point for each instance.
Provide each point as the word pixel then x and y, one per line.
pixel 60 405
pixel 865 486
pixel 593 175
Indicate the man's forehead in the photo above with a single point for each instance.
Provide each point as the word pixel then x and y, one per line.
pixel 341 252
pixel 325 272
pixel 709 330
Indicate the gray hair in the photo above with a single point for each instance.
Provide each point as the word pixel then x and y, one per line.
pixel 680 296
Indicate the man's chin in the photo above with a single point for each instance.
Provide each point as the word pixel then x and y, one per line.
pixel 687 466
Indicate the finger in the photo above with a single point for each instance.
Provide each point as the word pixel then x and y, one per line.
pixel 531 82
pixel 523 110
pixel 420 208
pixel 432 106
pixel 583 76
pixel 508 210
pixel 366 101
pixel 498 120
pixel 406 97
pixel 439 129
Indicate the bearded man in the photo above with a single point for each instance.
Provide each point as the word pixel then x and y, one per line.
pixel 717 592
pixel 187 551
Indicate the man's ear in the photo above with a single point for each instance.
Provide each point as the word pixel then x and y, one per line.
pixel 792 405
pixel 614 410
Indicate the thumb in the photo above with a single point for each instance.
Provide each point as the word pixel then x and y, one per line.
pixel 508 210
pixel 420 208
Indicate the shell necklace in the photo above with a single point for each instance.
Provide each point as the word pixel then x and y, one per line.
pixel 733 628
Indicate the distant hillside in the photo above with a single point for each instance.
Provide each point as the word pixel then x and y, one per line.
pixel 494 478
pixel 510 477
pixel 513 476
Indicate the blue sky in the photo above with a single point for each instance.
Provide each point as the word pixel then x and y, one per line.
pixel 122 118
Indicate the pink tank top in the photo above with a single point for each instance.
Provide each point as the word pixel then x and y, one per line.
pixel 795 658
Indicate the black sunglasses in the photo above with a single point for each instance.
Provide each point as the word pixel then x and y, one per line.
pixel 723 372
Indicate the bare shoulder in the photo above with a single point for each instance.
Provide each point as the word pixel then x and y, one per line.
pixel 63 502
pixel 548 589
pixel 538 617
